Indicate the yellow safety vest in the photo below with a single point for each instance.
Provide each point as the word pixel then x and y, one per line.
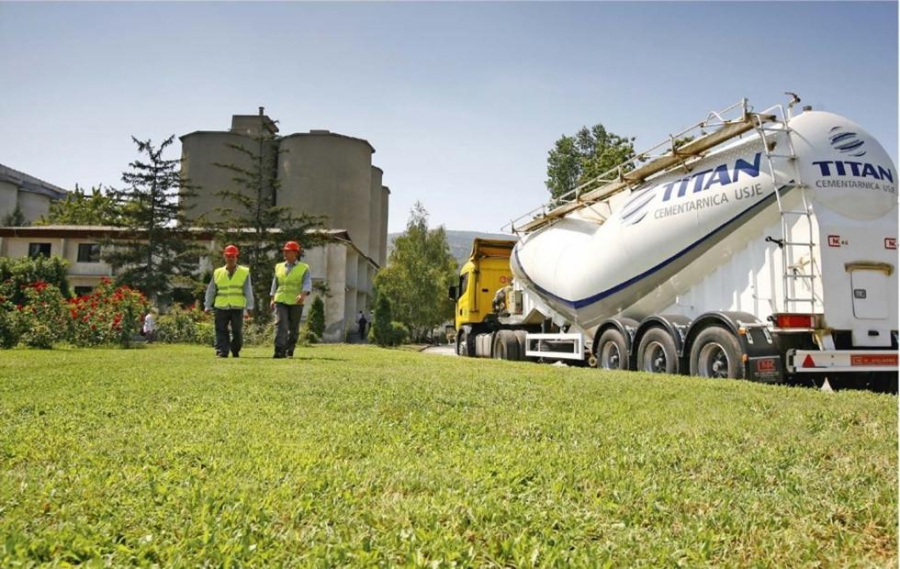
pixel 290 284
pixel 230 289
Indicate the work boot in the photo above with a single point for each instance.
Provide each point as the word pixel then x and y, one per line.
pixel 290 353
pixel 278 356
pixel 235 354
pixel 221 355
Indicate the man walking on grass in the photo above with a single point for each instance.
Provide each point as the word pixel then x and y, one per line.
pixel 231 295
pixel 290 287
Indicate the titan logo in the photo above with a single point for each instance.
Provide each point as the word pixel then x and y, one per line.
pixel 724 174
pixel 846 142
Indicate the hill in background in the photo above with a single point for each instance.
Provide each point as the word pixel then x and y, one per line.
pixel 460 242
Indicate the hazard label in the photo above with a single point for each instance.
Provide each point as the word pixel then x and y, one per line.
pixel 874 360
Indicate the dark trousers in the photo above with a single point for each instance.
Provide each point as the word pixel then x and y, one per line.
pixel 287 325
pixel 229 343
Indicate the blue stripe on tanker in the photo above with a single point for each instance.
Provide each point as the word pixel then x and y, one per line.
pixel 601 295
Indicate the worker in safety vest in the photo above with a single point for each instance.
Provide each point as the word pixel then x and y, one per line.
pixel 290 287
pixel 231 295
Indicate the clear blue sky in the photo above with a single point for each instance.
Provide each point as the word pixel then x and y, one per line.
pixel 461 101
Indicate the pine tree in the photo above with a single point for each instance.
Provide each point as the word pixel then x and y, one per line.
pixel 157 252
pixel 252 219
pixel 316 319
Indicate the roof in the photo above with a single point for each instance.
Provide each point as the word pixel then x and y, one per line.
pixel 31 184
pixel 329 133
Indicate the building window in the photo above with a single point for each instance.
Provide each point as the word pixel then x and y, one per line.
pixel 36 249
pixel 88 253
pixel 83 290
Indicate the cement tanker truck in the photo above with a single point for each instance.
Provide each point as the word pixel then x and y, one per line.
pixel 757 245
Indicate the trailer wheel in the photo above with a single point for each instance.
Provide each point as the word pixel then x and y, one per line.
pixel 657 353
pixel 506 346
pixel 612 352
pixel 716 354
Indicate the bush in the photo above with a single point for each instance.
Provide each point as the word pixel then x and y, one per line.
pixel 10 329
pixel 381 331
pixel 20 273
pixel 305 336
pixel 181 326
pixel 399 333
pixel 42 319
pixel 108 315
pixel 258 333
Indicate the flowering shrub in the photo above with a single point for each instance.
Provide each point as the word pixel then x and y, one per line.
pixel 42 320
pixel 108 315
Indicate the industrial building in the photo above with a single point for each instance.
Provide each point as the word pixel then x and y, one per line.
pixel 320 173
pixel 82 247
pixel 30 195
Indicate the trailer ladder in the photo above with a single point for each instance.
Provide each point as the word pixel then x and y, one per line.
pixel 798 285
pixel 636 171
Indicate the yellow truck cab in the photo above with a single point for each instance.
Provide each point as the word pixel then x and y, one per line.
pixel 481 276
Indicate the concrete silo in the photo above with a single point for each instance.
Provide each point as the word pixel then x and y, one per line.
pixel 202 151
pixel 330 174
pixel 385 203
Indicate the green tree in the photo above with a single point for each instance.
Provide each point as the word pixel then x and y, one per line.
pixel 381 332
pixel 157 252
pixel 83 208
pixel 417 275
pixel 316 319
pixel 251 218
pixel 574 160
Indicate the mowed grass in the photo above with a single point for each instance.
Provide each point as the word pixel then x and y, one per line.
pixel 354 455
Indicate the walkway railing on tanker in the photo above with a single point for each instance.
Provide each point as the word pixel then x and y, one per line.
pixel 680 150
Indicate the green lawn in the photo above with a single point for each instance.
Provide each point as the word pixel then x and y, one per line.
pixel 354 455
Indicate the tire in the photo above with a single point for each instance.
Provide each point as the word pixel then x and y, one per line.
pixel 520 337
pixel 656 353
pixel 612 351
pixel 462 343
pixel 716 354
pixel 506 346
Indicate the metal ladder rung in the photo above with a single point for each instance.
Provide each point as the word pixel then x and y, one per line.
pixel 799 276
pixel 796 212
pixel 789 156
pixel 789 299
pixel 798 243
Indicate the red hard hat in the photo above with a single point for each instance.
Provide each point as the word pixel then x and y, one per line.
pixel 232 251
pixel 291 246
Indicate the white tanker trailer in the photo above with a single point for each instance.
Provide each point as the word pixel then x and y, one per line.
pixel 764 248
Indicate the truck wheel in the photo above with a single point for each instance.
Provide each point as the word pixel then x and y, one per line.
pixel 462 343
pixel 657 353
pixel 506 346
pixel 523 344
pixel 612 352
pixel 717 354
